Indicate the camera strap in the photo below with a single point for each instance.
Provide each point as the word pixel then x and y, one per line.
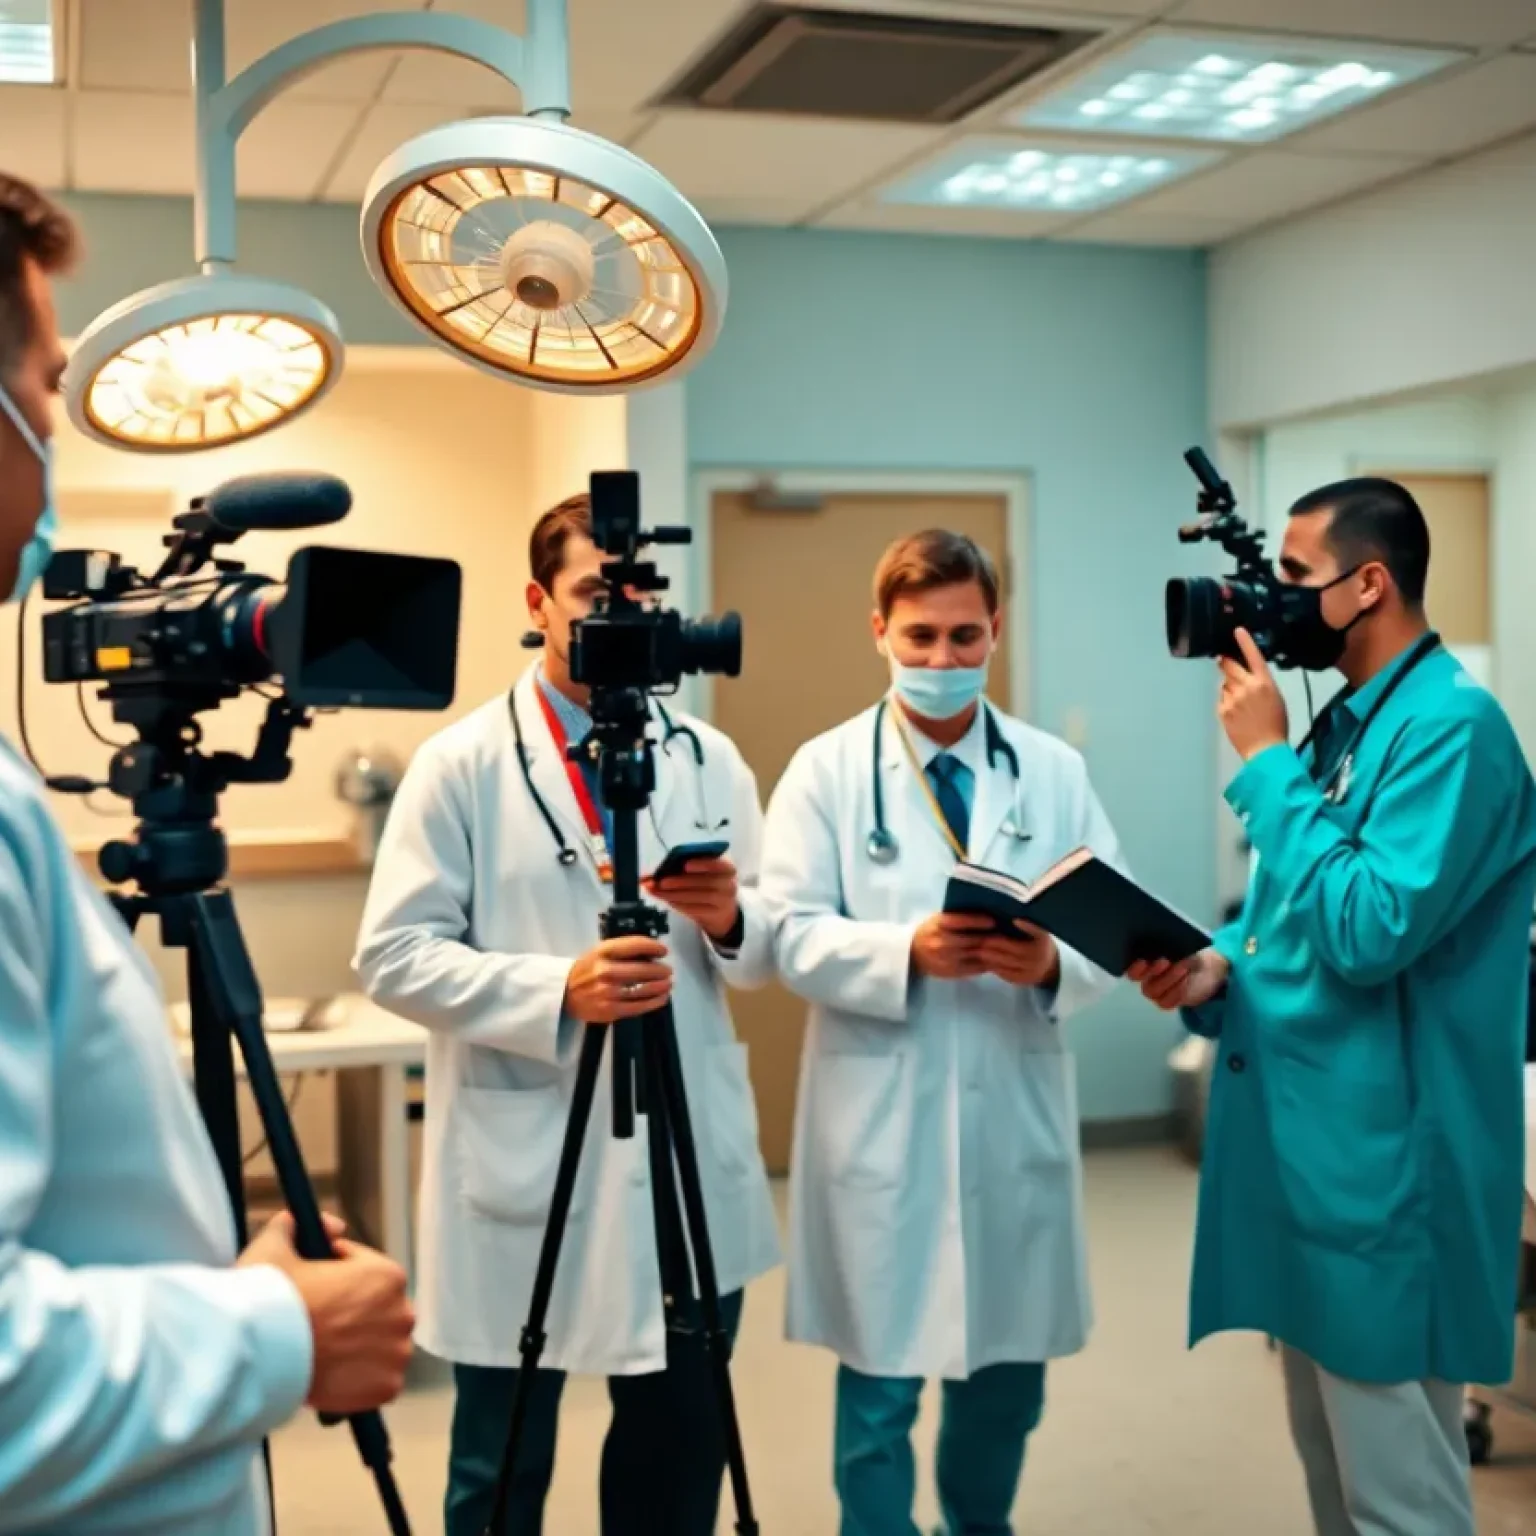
pixel 596 838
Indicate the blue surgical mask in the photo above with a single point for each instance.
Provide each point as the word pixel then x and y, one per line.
pixel 939 693
pixel 39 549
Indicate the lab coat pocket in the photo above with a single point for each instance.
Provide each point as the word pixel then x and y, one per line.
pixel 863 1117
pixel 732 1113
pixel 508 1151
pixel 1031 1127
pixel 1343 1152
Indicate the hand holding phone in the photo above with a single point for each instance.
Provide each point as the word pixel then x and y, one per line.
pixel 677 859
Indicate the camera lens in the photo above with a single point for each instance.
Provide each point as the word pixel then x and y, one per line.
pixel 1194 616
pixel 712 646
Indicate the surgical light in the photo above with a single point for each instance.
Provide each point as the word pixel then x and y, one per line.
pixel 996 174
pixel 544 254
pixel 202 361
pixel 527 247
pixel 1231 88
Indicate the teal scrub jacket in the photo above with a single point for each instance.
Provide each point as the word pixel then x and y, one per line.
pixel 1361 1193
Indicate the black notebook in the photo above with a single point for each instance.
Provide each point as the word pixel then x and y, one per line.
pixel 1086 904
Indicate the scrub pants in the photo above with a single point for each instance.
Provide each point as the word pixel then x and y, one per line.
pixel 986 1420
pixel 663 1456
pixel 1380 1460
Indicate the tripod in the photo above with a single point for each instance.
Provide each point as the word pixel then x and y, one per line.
pixel 648 1078
pixel 178 857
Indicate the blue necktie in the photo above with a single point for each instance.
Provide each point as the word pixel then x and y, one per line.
pixel 942 773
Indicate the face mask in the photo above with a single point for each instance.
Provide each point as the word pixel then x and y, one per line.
pixel 39 549
pixel 1310 641
pixel 939 693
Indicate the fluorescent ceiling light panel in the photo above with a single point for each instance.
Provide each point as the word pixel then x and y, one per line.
pixel 1039 178
pixel 1233 88
pixel 26 43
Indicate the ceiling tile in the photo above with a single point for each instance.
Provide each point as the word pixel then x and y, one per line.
pixel 1439 118
pixel 983 222
pixel 135 45
pixel 718 154
pixel 32 131
pixel 1270 184
pixel 386 126
pixel 756 210
pixel 1074 13
pixel 258 26
pixel 1472 23
pixel 282 153
pixel 1132 226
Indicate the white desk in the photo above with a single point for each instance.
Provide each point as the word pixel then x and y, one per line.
pixel 369 1050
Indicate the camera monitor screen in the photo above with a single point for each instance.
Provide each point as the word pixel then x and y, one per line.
pixel 362 629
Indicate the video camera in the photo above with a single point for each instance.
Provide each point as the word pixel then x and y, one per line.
pixel 1204 613
pixel 625 643
pixel 348 627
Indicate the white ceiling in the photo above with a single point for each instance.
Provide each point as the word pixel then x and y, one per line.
pixel 123 120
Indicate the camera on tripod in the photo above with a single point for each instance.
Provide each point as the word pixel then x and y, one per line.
pixel 1203 613
pixel 625 643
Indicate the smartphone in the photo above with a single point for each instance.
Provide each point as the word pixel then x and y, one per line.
pixel 673 864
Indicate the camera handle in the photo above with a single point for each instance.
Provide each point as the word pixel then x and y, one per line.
pixel 648 1076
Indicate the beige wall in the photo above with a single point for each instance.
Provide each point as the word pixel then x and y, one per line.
pixel 442 460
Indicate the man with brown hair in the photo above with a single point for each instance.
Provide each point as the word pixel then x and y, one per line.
pixel 139 1367
pixel 936 1227
pixel 482 925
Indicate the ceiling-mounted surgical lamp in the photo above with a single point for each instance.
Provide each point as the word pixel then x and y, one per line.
pixel 531 249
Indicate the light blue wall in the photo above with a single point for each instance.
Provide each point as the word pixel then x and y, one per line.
pixel 135 242
pixel 1083 366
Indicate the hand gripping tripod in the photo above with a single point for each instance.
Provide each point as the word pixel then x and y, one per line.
pixel 178 858
pixel 648 1077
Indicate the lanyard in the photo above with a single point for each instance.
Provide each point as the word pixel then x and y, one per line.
pixel 588 807
pixel 934 809
pixel 1338 780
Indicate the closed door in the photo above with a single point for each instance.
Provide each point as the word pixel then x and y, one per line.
pixel 1457 592
pixel 802 582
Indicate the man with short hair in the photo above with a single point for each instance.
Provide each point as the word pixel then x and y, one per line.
pixel 936 1224
pixel 482 924
pixel 139 1369
pixel 1362 1187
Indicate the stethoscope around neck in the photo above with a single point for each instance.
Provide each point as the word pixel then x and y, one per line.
pixel 671 731
pixel 881 844
pixel 1337 785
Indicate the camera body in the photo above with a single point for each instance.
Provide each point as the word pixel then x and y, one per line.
pixel 346 627
pixel 626 642
pixel 1203 613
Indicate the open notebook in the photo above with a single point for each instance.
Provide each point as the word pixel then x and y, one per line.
pixel 1084 903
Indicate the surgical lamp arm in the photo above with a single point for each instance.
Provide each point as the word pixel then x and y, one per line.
pixel 539 67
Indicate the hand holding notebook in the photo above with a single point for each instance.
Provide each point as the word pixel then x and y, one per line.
pixel 1084 903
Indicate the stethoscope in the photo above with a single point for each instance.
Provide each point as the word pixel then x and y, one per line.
pixel 881 845
pixel 1337 785
pixel 672 732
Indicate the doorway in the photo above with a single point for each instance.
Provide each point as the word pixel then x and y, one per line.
pixel 799 571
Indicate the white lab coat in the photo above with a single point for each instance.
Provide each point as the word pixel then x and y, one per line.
pixel 936 1221
pixel 470 929
pixel 138 1371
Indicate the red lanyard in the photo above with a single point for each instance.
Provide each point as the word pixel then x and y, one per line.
pixel 584 800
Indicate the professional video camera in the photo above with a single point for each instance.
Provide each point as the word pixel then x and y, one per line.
pixel 625 644
pixel 1204 613
pixel 349 627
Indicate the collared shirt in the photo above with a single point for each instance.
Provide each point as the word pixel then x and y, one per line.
pixel 576 722
pixel 967 752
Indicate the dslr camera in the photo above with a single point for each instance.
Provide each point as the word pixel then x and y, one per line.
pixel 1204 613
pixel 627 642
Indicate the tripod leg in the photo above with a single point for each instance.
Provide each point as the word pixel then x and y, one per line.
pixel 230 996
pixel 213 1076
pixel 531 1344
pixel 669 1070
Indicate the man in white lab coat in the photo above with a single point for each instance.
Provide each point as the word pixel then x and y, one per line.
pixel 140 1366
pixel 482 924
pixel 936 1227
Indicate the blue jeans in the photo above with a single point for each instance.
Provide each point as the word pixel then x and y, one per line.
pixel 663 1456
pixel 986 1420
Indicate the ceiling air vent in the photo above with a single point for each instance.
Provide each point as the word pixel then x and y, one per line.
pixel 853 64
